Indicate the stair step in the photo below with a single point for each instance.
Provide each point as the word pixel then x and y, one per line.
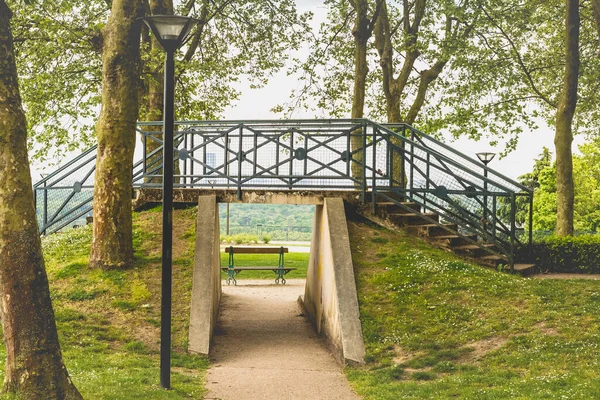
pixel 450 240
pixel 493 260
pixel 385 208
pixel 525 269
pixel 393 195
pixel 475 250
pixel 432 230
pixel 413 218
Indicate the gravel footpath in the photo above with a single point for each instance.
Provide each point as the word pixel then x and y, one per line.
pixel 263 348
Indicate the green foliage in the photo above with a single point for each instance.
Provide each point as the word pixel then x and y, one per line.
pixel 240 238
pixel 586 177
pixel 58 55
pixel 579 254
pixel 327 74
pixel 501 78
pixel 58 47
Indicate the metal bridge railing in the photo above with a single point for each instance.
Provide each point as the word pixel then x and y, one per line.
pixel 385 162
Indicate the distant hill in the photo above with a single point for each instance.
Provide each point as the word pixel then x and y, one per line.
pixel 279 221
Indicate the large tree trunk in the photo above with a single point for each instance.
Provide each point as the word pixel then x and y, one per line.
pixel 393 87
pixel 564 119
pixel 112 245
pixel 34 367
pixel 154 91
pixel 361 34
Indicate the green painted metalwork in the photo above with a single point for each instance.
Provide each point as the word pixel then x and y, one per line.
pixel 292 155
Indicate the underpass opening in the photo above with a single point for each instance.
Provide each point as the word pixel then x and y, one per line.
pixel 323 280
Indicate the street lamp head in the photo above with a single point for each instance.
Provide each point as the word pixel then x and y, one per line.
pixel 486 157
pixel 171 31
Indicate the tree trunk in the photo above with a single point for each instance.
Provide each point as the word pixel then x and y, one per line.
pixel 34 367
pixel 112 245
pixel 397 167
pixel 596 11
pixel 564 119
pixel 361 34
pixel 153 92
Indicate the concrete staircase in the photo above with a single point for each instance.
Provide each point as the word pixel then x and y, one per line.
pixel 408 216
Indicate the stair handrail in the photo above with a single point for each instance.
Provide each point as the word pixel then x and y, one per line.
pixel 390 126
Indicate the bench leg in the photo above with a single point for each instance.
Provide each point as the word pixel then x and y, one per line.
pixel 231 277
pixel 280 274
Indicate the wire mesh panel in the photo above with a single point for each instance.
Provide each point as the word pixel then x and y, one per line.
pixel 64 197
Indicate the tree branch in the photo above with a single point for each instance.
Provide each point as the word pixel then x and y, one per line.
pixel 519 59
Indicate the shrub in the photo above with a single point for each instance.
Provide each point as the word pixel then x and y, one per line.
pixel 242 238
pixel 266 238
pixel 579 254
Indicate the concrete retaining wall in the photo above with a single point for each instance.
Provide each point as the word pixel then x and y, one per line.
pixel 206 289
pixel 330 299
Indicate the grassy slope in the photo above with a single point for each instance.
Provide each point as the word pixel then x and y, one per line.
pixel 109 322
pixel 437 327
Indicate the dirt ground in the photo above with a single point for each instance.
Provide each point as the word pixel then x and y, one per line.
pixel 264 349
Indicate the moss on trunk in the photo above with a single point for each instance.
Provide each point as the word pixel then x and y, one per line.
pixel 565 192
pixel 34 366
pixel 112 244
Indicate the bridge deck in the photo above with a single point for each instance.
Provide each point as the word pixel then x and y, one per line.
pixel 190 195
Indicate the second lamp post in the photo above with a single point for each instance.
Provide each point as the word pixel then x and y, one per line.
pixel 485 158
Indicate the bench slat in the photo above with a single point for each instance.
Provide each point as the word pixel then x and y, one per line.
pixel 256 250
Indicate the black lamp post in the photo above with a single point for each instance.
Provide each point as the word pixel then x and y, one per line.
pixel 485 158
pixel 171 31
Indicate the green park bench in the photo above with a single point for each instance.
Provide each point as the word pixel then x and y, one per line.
pixel 232 270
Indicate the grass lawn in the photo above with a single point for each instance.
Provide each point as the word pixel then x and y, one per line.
pixel 437 327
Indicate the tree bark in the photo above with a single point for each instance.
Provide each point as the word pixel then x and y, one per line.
pixel 112 245
pixel 393 87
pixel 596 11
pixel 564 119
pixel 153 91
pixel 361 37
pixel 34 366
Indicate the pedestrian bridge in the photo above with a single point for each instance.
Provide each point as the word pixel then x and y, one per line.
pixel 353 158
